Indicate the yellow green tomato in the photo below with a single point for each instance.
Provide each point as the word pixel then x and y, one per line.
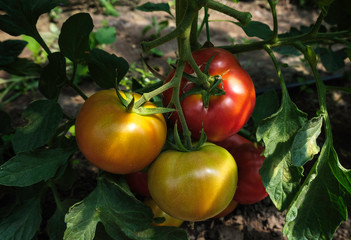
pixel 158 213
pixel 196 185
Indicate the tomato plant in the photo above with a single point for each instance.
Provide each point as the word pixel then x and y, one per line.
pixel 137 182
pixel 158 213
pixel 225 114
pixel 195 185
pixel 116 140
pixel 207 90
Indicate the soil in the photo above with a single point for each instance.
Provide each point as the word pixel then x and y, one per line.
pixel 247 222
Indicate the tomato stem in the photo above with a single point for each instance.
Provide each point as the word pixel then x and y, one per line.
pixel 58 202
pixel 243 17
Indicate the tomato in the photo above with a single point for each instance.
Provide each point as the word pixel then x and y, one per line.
pixel 193 186
pixel 158 213
pixel 232 205
pixel 116 140
pixel 226 114
pixel 138 183
pixel 232 142
pixel 249 159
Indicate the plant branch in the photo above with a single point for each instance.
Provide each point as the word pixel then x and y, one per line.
pixel 243 17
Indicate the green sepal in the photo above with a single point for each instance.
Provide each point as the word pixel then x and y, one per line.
pixel 178 142
pixel 151 111
pixel 203 139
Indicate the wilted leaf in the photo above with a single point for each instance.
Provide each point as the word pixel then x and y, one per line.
pixel 305 146
pixel 279 176
pixel 319 207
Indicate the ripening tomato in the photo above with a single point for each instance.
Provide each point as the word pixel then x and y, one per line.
pixel 225 114
pixel 249 159
pixel 232 142
pixel 193 186
pixel 232 205
pixel 137 182
pixel 158 213
pixel 250 188
pixel 116 140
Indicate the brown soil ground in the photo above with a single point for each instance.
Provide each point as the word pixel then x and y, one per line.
pixel 247 222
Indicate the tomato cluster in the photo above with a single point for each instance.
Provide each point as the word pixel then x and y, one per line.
pixel 192 185
pixel 225 114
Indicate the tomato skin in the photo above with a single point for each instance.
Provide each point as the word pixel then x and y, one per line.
pixel 232 205
pixel 232 142
pixel 250 188
pixel 249 159
pixel 138 183
pixel 193 186
pixel 156 210
pixel 115 140
pixel 226 114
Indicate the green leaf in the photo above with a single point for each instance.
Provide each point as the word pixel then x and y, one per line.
pixel 152 7
pixel 9 51
pixel 106 68
pixel 266 104
pixel 22 15
pixel 43 118
pixel 56 225
pixel 53 75
pixel 305 146
pixel 319 208
pixel 257 29
pixel 342 174
pixel 32 45
pixel 106 35
pixel 120 212
pixel 5 126
pixel 22 67
pixel 74 36
pixel 110 10
pixel 26 169
pixel 279 176
pixel 332 61
pixel 23 223
pixel 287 51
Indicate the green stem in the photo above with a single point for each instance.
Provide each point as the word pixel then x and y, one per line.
pixel 77 89
pixel 42 43
pixel 176 102
pixel 277 66
pixel 147 96
pixel 194 41
pixel 318 23
pixel 207 26
pixel 58 202
pixel 275 20
pixel 183 25
pixel 288 41
pixel 243 17
pixel 310 56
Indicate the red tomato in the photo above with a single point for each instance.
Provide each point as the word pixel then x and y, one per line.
pixel 232 142
pixel 116 140
pixel 193 186
pixel 250 188
pixel 158 213
pixel 138 183
pixel 226 114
